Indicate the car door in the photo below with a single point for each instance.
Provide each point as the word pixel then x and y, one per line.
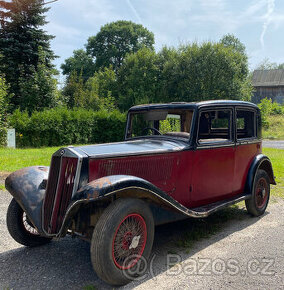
pixel 248 145
pixel 214 157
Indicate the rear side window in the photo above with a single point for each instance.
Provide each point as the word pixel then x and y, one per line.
pixel 246 124
pixel 215 126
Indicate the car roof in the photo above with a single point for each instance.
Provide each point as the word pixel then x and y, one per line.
pixel 192 105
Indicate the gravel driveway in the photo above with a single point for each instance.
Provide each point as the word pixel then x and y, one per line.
pixel 251 244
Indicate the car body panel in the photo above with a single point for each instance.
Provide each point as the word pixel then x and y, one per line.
pixel 27 186
pixel 244 156
pixel 134 147
pixel 213 173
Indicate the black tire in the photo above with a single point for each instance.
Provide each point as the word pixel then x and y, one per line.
pixel 117 218
pixel 258 202
pixel 21 229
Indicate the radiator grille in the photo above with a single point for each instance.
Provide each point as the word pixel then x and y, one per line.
pixel 152 169
pixel 58 192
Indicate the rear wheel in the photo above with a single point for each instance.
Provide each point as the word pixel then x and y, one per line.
pixel 258 202
pixel 122 241
pixel 20 227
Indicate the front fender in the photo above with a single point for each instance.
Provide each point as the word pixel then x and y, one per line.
pixel 27 186
pixel 261 161
pixel 115 184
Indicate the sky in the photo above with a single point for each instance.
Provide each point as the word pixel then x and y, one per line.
pixel 259 24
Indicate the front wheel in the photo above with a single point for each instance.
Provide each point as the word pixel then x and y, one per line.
pixel 258 202
pixel 122 241
pixel 20 227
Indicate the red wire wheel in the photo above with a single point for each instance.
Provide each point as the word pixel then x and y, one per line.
pixel 122 241
pixel 257 203
pixel 261 192
pixel 129 241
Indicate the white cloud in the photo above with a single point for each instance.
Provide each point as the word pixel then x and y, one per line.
pixel 267 20
pixel 172 22
pixel 134 11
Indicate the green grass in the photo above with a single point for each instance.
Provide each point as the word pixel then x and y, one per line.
pixel 275 129
pixel 277 158
pixel 14 159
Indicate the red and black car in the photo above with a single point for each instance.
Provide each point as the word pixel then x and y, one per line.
pixel 178 160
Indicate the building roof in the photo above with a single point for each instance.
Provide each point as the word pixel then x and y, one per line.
pixel 268 78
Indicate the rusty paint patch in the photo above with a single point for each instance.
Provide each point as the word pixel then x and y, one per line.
pixel 93 188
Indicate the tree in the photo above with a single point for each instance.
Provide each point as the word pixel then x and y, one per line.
pixel 207 71
pixel 80 62
pixel 20 40
pixel 229 40
pixel 267 64
pixel 115 40
pixel 193 72
pixel 96 93
pixel 138 79
pixel 38 91
pixel 4 101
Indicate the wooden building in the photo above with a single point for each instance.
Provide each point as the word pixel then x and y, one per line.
pixel 268 84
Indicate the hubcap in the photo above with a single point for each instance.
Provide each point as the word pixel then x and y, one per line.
pixel 129 241
pixel 261 193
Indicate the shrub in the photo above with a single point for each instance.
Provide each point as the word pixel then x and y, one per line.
pixel 268 108
pixel 60 126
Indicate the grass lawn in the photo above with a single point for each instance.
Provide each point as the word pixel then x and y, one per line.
pixel 276 128
pixel 13 159
pixel 277 158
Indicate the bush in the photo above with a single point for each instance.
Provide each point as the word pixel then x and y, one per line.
pixel 268 108
pixel 60 126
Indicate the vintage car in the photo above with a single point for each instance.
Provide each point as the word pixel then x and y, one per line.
pixel 178 160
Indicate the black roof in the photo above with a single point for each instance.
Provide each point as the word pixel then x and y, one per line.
pixel 192 105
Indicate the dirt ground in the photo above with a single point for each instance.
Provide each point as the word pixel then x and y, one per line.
pixel 245 254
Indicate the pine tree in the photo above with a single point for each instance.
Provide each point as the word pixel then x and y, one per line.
pixel 22 41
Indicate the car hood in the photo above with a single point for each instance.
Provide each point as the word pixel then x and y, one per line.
pixel 133 147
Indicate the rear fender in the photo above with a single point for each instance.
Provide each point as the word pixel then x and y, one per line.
pixel 260 162
pixel 27 186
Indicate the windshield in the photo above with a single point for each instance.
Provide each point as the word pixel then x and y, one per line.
pixel 170 122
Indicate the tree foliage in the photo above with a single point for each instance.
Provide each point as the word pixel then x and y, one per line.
pixel 22 42
pixel 138 79
pixel 267 64
pixel 4 103
pixel 38 91
pixel 229 40
pixel 193 72
pixel 115 40
pixel 81 63
pixel 95 93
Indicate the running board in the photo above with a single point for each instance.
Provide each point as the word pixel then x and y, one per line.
pixel 206 210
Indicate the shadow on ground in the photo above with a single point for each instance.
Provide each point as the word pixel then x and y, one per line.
pixel 66 263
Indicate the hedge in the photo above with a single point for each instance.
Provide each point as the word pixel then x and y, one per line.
pixel 3 135
pixel 60 126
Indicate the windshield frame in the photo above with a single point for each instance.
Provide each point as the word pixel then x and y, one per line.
pixel 164 137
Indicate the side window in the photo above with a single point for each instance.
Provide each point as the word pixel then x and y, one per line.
pixel 215 126
pixel 246 124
